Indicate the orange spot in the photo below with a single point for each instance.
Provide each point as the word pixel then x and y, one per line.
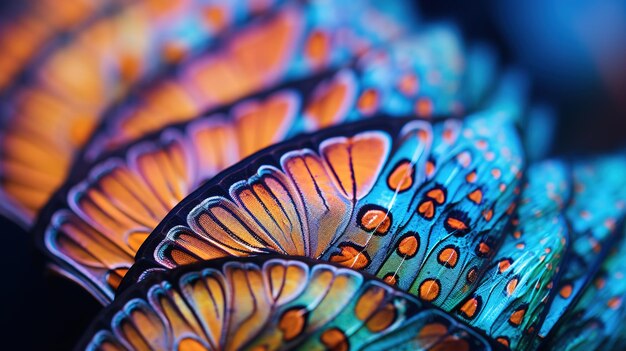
pixel 334 339
pixel 448 257
pixel 496 173
pixel 520 246
pixel 390 279
pixel 456 224
pixel 511 285
pixel 437 194
pixel 215 17
pixel 476 196
pixel 566 291
pixel 292 323
pixel 368 102
pixel 614 303
pixel 487 215
pixel 471 177
pixel 595 245
pixel 426 209
pixel 517 234
pixel 430 168
pixel 504 265
pixel 504 341
pixel 469 308
pixel 424 107
pixel 483 248
pixel 423 135
pixel 317 47
pixel 429 289
pixel 599 283
pixel 350 256
pixel 517 317
pixel 368 302
pixel 382 319
pixel 173 52
pixel 401 178
pixel 130 67
pixel 408 84
pixel 376 220
pixel 408 246
pixel 510 209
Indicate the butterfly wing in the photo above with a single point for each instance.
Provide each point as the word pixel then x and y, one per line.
pixel 510 299
pixel 457 215
pixel 96 224
pixel 105 217
pixel 596 208
pixel 36 26
pixel 348 196
pixel 594 322
pixel 299 40
pixel 51 115
pixel 294 304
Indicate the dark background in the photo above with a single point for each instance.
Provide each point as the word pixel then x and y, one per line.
pixel 42 311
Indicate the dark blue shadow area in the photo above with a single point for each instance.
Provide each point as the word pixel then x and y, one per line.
pixel 40 310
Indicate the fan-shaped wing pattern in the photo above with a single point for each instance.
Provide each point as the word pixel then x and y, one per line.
pixel 274 304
